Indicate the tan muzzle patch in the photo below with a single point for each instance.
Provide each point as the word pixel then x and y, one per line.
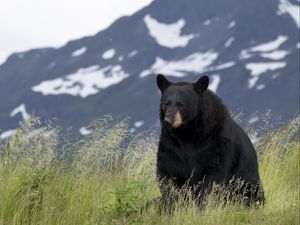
pixel 177 120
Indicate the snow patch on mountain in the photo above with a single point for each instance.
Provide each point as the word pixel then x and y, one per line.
pixel 285 7
pixel 259 68
pixel 231 24
pixel 264 47
pixel 84 131
pixel 22 110
pixel 245 54
pixel 167 35
pixel 138 124
pixel 214 83
pixel 40 131
pixel 207 22
pixel 275 55
pixel 270 46
pixel 221 66
pixel 260 86
pixel 132 130
pixel 25 117
pixel 229 42
pixel 275 76
pixel 84 82
pixel 133 53
pixel 109 54
pixel 79 51
pixel 197 63
pixel 8 133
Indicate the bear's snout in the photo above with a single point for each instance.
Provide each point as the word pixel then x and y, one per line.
pixel 174 119
pixel 177 120
pixel 168 120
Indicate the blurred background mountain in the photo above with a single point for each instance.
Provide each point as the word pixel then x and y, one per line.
pixel 249 49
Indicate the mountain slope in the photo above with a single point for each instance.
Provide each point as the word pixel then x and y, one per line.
pixel 249 49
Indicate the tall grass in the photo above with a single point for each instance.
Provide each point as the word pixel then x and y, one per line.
pixel 108 177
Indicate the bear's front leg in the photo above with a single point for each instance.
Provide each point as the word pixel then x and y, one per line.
pixel 169 195
pixel 203 185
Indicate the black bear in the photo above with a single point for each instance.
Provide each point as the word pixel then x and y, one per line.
pixel 201 145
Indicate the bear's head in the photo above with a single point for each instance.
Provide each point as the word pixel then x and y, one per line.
pixel 180 101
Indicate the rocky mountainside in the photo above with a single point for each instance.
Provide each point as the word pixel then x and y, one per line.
pixel 249 49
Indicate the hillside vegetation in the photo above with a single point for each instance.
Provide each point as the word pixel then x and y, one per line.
pixel 108 177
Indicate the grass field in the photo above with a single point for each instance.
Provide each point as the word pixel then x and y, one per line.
pixel 103 180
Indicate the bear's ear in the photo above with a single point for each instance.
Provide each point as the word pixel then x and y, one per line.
pixel 201 84
pixel 162 82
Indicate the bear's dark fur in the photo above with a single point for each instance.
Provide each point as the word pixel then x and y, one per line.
pixel 201 145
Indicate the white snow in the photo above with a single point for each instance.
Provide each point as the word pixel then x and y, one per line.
pixel 108 54
pixel 270 46
pixel 84 131
pixel 252 81
pixel 197 63
pixel 260 86
pixel 214 84
pixel 293 10
pixel 229 42
pixel 207 22
pixel 132 130
pixel 84 82
pixel 138 124
pixel 133 53
pixel 298 45
pixel 167 35
pixel 79 51
pixel 275 55
pixel 221 66
pixel 275 76
pixel 45 133
pixel 266 50
pixel 245 54
pixel 120 58
pixel 253 120
pixel 7 134
pixel 20 109
pixel 259 68
pixel 231 24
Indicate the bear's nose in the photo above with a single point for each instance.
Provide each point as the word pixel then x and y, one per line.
pixel 168 120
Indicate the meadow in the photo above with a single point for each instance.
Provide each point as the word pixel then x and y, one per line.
pixel 109 176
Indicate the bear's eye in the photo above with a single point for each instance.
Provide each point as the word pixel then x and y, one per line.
pixel 180 104
pixel 167 103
